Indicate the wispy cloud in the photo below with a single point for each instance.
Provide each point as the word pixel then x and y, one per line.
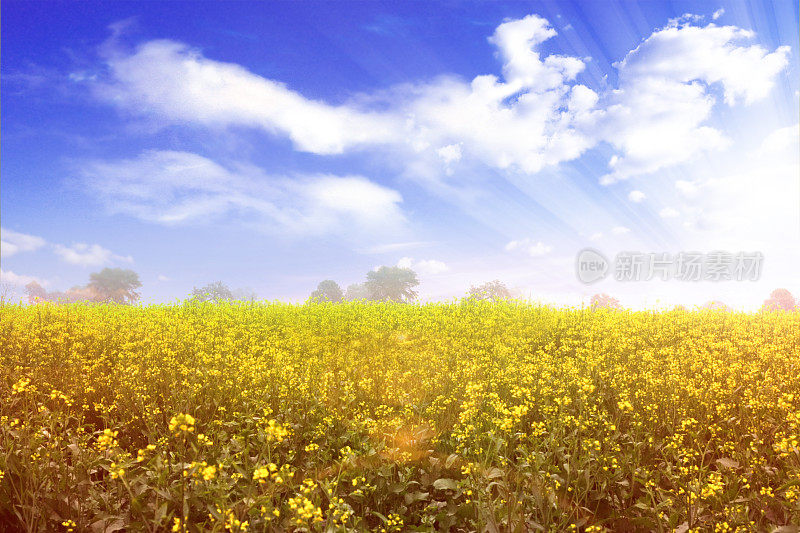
pixel 425 267
pixel 88 255
pixel 636 196
pixel 8 276
pixel 13 242
pixel 533 249
pixel 669 212
pixel 620 230
pixel 171 187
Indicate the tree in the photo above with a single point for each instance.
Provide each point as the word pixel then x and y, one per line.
pixel 604 301
pixel 78 294
pixel 35 292
pixel 213 292
pixel 491 290
pixel 715 305
pixel 356 291
pixel 393 284
pixel 780 300
pixel 244 294
pixel 115 285
pixel 328 291
pixel 8 292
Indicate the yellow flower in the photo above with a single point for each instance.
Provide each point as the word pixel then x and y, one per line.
pixel 20 386
pixel 209 472
pixel 107 440
pixel 182 423
pixel 116 472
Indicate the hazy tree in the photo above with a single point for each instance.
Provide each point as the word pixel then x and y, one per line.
pixel 780 300
pixel 715 305
pixel 392 284
pixel 244 294
pixel 79 294
pixel 604 301
pixel 35 292
pixel 356 291
pixel 115 285
pixel 491 290
pixel 213 292
pixel 328 291
pixel 8 292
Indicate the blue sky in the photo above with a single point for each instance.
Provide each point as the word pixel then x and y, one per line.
pixel 273 145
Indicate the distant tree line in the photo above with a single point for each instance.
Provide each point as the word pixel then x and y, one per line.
pixel 396 284
pixel 110 285
pixel 779 300
pixel 383 284
pixel 219 292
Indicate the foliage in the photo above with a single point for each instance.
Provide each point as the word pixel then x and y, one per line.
pixel 328 291
pixel 244 294
pixel 213 292
pixel 392 284
pixel 715 305
pixel 780 300
pixel 470 416
pixel 491 290
pixel 355 292
pixel 116 285
pixel 604 301
pixel 37 294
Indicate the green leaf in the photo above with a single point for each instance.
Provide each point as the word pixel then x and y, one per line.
pixel 445 484
pixel 494 473
pixel 416 496
pixel 450 460
pixel 727 462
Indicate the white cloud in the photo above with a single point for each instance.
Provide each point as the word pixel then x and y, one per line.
pixel 525 121
pixel 620 230
pixel 657 116
pixel 636 196
pixel 333 197
pixel 684 53
pixel 13 242
pixel 87 255
pixel 162 278
pixel 688 189
pixel 179 187
pixel 534 249
pixel 425 267
pixel 533 115
pixel 177 83
pixel 594 237
pixel 718 13
pixel 669 212
pixel 7 276
pixel 780 140
pixel 523 67
pixel 450 153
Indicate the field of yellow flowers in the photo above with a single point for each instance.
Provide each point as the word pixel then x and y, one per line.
pixel 464 416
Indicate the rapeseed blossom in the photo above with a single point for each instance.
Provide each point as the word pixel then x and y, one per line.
pixel 391 417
